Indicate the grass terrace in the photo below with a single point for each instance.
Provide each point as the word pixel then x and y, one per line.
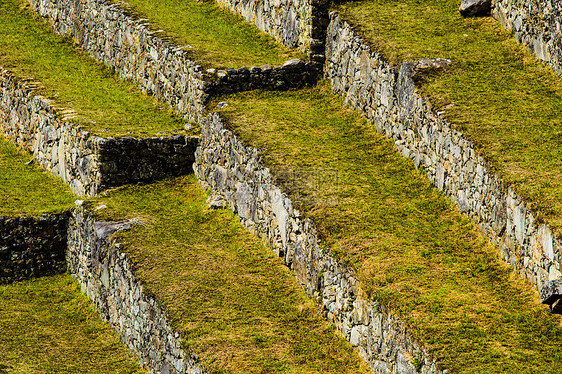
pixel 48 326
pixel 409 246
pixel 220 39
pixel 499 95
pixel 27 189
pixel 104 104
pixel 239 308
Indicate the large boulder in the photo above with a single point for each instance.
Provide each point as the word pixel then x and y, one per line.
pixel 475 8
pixel 551 293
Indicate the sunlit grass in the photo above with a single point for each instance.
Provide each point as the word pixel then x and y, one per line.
pixel 239 308
pixel 28 189
pixel 499 95
pixel 48 326
pixel 104 104
pixel 409 246
pixel 220 39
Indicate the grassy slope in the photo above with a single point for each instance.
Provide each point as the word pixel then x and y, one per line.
pixel 500 96
pixel 219 38
pixel 239 307
pixel 409 245
pixel 48 326
pixel 105 104
pixel 28 189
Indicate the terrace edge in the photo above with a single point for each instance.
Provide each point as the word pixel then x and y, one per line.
pixel 87 163
pixel 386 96
pixel 234 173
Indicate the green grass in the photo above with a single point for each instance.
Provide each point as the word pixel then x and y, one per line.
pixel 499 95
pixel 239 308
pixel 29 189
pixel 220 39
pixel 104 104
pixel 409 246
pixel 48 326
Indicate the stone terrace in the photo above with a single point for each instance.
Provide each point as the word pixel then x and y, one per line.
pixel 335 287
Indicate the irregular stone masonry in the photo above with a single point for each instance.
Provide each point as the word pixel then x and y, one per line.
pixel 386 96
pixel 384 93
pixel 295 23
pixel 87 163
pixel 107 276
pixel 74 240
pixel 535 24
pixel 162 69
pixel 233 171
pixel 32 246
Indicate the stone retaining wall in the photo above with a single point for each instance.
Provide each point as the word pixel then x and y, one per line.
pixel 233 171
pixel 87 163
pixel 32 246
pixel 386 96
pixel 129 160
pixel 163 69
pixel 535 24
pixel 295 23
pixel 107 276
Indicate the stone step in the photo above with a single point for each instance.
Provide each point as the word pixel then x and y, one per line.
pixel 33 217
pixel 113 34
pixel 403 275
pixel 79 122
pixel 190 291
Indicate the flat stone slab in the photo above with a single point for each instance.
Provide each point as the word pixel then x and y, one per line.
pixel 475 8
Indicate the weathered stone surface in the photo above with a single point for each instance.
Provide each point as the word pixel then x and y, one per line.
pixel 535 24
pixel 551 291
pixel 474 8
pixel 224 164
pixel 32 246
pixel 386 95
pixel 107 276
pixel 295 23
pixel 161 68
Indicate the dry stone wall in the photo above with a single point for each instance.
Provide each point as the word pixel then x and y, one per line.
pixel 163 69
pixel 107 276
pixel 386 96
pixel 537 24
pixel 32 246
pixel 295 23
pixel 128 160
pixel 233 172
pixel 87 163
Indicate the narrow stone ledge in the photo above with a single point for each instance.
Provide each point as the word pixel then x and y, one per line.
pixel 386 96
pixel 32 246
pixel 87 163
pixel 162 69
pixel 107 276
pixel 233 172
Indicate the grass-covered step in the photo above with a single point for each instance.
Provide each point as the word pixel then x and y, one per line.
pixel 217 38
pixel 166 63
pixel 227 295
pixel 33 217
pixel 500 96
pixel 410 248
pixel 48 326
pixel 100 102
pixel 80 121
